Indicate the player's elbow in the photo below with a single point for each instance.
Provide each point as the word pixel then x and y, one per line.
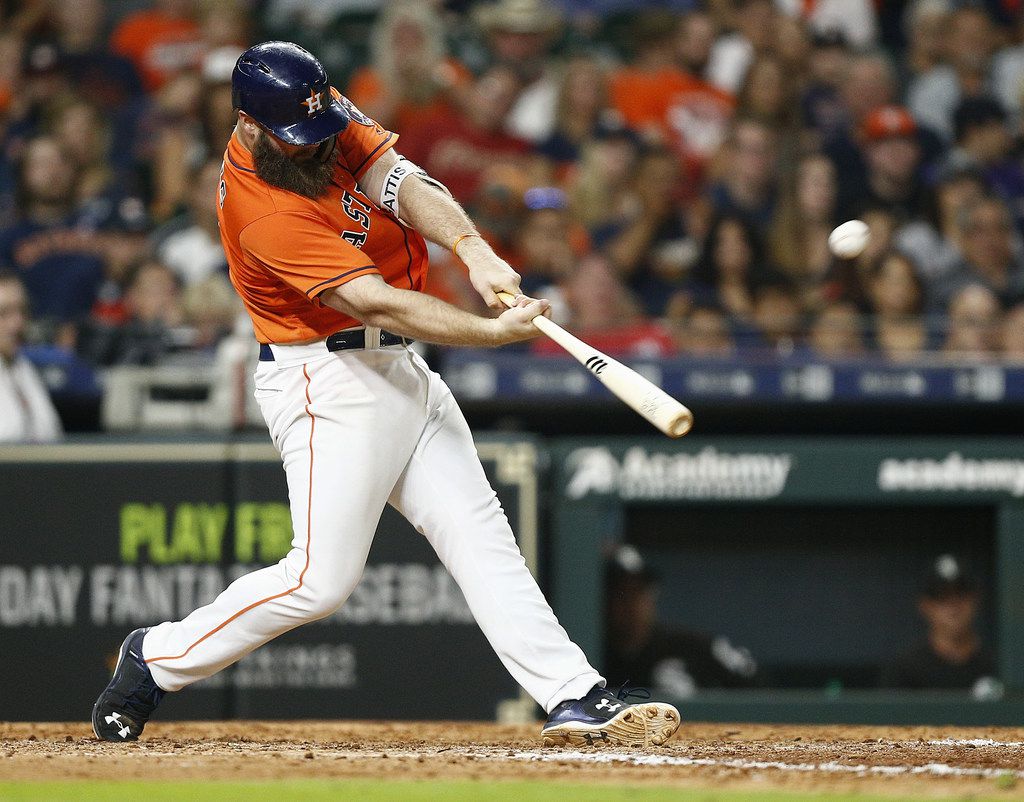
pixel 368 299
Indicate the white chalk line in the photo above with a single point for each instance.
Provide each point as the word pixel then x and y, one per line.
pixel 975 742
pixel 936 769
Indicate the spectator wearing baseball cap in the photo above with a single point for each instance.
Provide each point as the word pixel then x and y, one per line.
pixel 892 155
pixel 952 654
pixel 520 35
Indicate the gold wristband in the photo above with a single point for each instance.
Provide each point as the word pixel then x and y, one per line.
pixel 460 238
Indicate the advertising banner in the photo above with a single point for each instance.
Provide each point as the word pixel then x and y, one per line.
pixel 97 540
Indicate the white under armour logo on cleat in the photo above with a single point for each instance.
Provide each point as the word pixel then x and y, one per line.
pixel 115 718
pixel 604 704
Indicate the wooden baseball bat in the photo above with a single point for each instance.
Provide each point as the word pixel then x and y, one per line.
pixel 634 390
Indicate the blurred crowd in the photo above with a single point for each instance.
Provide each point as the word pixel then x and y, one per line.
pixel 666 172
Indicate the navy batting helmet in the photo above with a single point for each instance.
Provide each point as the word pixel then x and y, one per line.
pixel 286 90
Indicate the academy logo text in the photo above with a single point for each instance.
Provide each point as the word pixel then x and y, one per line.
pixel 706 474
pixel 951 474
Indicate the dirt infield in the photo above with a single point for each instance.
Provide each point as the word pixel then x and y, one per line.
pixel 890 761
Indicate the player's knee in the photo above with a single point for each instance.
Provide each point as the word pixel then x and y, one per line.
pixel 321 598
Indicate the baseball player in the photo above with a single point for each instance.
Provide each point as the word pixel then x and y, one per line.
pixel 323 224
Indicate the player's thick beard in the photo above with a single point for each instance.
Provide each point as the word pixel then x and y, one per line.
pixel 309 178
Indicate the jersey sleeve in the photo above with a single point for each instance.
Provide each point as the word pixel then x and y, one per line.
pixel 363 140
pixel 304 252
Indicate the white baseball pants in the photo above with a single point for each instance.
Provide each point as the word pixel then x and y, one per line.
pixel 356 430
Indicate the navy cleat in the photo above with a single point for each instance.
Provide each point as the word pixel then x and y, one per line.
pixel 130 698
pixel 605 718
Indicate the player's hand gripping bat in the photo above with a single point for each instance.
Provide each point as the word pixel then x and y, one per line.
pixel 634 390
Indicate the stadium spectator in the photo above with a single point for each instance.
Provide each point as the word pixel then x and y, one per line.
pixel 456 146
pixel 895 287
pixel 778 318
pixel 190 243
pixel 674 662
pixel 105 79
pixel 1007 75
pixel 695 38
pixel 210 309
pixel 216 109
pixel 410 76
pixel 498 207
pixel 837 332
pixel 869 81
pixel 175 141
pixel 821 103
pixel 224 24
pixel 925 24
pixel 986 236
pixel 85 137
pixel 754 23
pixel 805 216
pixel 973 324
pixel 704 332
pixel 153 309
pixel 643 246
pixel 520 35
pixel 26 412
pixel 600 309
pixel 731 268
pixel 769 94
pixel 748 185
pixel 895 296
pixel 547 242
pixel 666 104
pixel 1013 334
pixel 952 655
pixel 892 157
pixel 969 43
pixel 582 112
pixel 599 190
pixel 934 242
pixel 984 142
pixel 161 41
pixel 60 262
pixel 792 48
pixel 901 338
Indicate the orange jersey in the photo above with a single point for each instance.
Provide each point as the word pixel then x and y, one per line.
pixel 159 45
pixel 284 249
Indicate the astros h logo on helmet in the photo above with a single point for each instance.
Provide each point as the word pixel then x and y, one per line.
pixel 313 103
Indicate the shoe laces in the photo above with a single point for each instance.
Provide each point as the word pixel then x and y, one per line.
pixel 625 691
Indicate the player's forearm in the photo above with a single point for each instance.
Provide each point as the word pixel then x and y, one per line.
pixel 436 215
pixel 417 316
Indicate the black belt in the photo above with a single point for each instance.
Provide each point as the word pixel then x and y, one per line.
pixel 345 341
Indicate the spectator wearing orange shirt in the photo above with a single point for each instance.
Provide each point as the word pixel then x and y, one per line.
pixel 410 77
pixel 658 98
pixel 160 42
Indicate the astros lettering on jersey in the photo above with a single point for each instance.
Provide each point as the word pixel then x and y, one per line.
pixel 284 249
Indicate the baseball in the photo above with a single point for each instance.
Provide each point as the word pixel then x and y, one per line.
pixel 849 240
